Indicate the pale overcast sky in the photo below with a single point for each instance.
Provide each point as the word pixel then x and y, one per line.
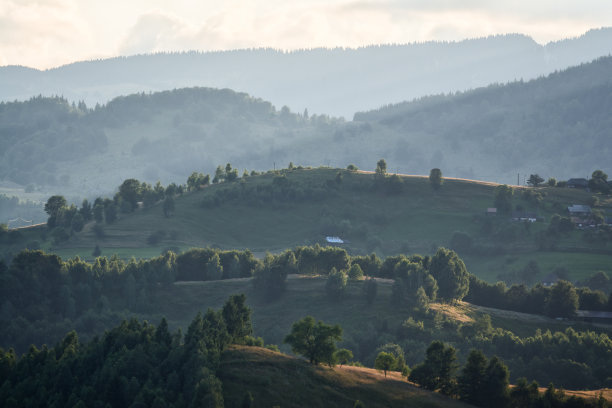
pixel 48 33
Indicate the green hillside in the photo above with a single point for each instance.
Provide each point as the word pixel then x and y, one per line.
pixel 257 213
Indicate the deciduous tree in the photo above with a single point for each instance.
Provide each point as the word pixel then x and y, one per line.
pixel 599 182
pixel 55 204
pixel 435 178
pixel 436 372
pixel 315 341
pixel 535 180
pixel 336 284
pixel 343 356
pixel 130 192
pixel 563 300
pixel 450 273
pixel 384 362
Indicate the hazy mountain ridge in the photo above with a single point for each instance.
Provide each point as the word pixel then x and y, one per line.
pixel 557 126
pixel 71 148
pixel 333 81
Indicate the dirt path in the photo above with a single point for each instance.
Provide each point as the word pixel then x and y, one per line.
pixel 486 183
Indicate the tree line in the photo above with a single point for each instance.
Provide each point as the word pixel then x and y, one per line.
pixel 74 286
pixel 135 364
pixel 562 299
pixel 43 297
pixel 482 382
pixel 485 382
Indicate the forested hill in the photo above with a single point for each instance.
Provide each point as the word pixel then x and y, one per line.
pixel 553 125
pixel 333 81
pixel 557 126
pixel 58 146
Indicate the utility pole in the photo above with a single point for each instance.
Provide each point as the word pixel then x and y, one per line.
pixel 518 179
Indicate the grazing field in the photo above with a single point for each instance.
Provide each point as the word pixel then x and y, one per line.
pixel 413 218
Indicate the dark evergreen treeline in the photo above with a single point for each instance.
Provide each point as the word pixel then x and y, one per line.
pixel 559 300
pixel 136 364
pixel 133 365
pixel 485 382
pixel 39 286
pixel 44 297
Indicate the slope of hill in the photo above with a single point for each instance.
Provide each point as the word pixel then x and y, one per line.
pixel 276 379
pixel 571 354
pixel 333 81
pixel 552 126
pixel 58 147
pixel 257 213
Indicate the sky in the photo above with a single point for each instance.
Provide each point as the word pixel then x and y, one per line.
pixel 48 33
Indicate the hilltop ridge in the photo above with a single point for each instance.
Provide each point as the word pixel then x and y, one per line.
pixel 327 81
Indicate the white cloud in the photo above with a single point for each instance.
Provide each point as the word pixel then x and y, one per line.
pixel 43 33
pixel 33 31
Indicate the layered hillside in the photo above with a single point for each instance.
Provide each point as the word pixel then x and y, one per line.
pixel 287 208
pixel 552 126
pixel 556 126
pixel 336 81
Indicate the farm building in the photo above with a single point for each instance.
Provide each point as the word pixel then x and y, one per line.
pixel 524 216
pixel 577 210
pixel 578 183
pixel 492 212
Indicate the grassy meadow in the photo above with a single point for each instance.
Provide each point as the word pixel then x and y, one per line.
pixel 418 219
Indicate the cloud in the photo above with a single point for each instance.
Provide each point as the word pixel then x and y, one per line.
pixel 301 24
pixel 49 32
pixel 32 30
pixel 545 20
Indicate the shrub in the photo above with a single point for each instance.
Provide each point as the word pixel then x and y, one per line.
pixel 355 272
pixel 336 284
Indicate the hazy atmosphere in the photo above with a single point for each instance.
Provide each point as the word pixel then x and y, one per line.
pixel 305 204
pixel 48 33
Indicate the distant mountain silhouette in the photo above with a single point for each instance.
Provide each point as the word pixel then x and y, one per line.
pixel 336 81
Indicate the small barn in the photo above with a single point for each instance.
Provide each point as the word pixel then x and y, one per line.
pixel 578 183
pixel 578 210
pixel 524 216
